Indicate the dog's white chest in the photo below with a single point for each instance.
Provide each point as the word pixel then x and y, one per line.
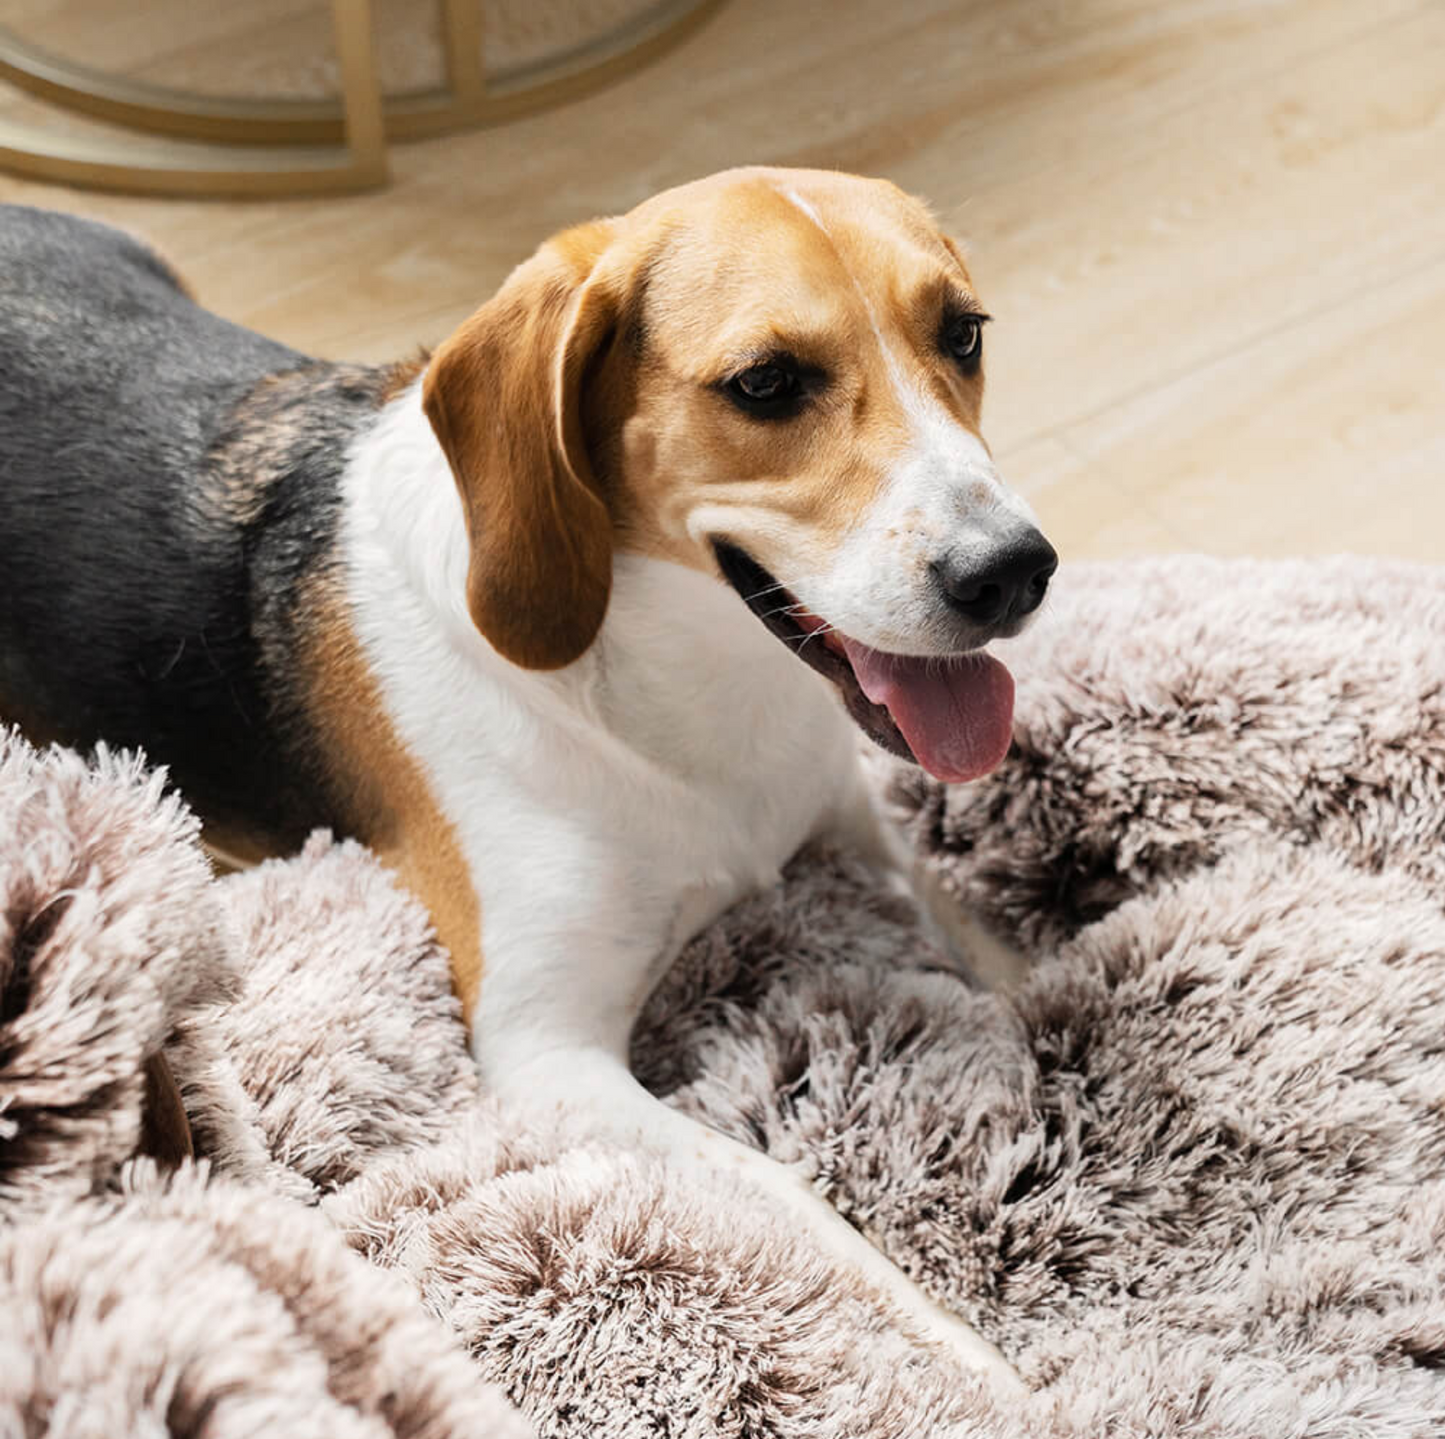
pixel 693 755
pixel 607 811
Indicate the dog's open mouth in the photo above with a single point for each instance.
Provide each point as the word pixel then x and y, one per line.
pixel 953 716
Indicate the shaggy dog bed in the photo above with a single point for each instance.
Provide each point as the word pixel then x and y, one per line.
pixel 1189 1173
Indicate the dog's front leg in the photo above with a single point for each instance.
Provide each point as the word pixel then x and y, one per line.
pixel 560 1052
pixel 858 826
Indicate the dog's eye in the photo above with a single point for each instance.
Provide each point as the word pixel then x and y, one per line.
pixel 963 339
pixel 764 385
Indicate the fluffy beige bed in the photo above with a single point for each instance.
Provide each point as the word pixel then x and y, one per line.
pixel 1191 1175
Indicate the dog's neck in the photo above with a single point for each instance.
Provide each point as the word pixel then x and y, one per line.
pixel 681 673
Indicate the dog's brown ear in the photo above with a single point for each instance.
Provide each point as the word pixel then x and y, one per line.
pixel 504 397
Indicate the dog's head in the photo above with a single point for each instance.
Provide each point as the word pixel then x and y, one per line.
pixel 774 376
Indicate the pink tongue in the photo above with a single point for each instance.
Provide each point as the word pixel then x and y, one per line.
pixel 957 715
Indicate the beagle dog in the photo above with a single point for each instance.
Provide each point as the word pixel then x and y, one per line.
pixel 574 622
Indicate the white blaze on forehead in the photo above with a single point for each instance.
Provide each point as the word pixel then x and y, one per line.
pixel 802 204
pixel 908 396
pixel 941 447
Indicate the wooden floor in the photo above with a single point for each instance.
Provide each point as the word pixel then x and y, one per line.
pixel 1212 231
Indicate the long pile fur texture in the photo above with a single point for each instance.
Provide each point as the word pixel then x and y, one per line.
pixel 1189 1173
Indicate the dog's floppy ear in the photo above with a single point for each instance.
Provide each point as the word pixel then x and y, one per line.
pixel 503 395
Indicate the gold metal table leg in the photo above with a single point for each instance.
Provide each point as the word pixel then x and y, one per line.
pixel 330 142
pixel 356 159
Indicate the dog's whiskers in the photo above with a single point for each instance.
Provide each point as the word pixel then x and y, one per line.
pixel 823 629
pixel 791 609
pixel 766 590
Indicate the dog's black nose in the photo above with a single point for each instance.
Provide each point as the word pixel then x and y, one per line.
pixel 1007 584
